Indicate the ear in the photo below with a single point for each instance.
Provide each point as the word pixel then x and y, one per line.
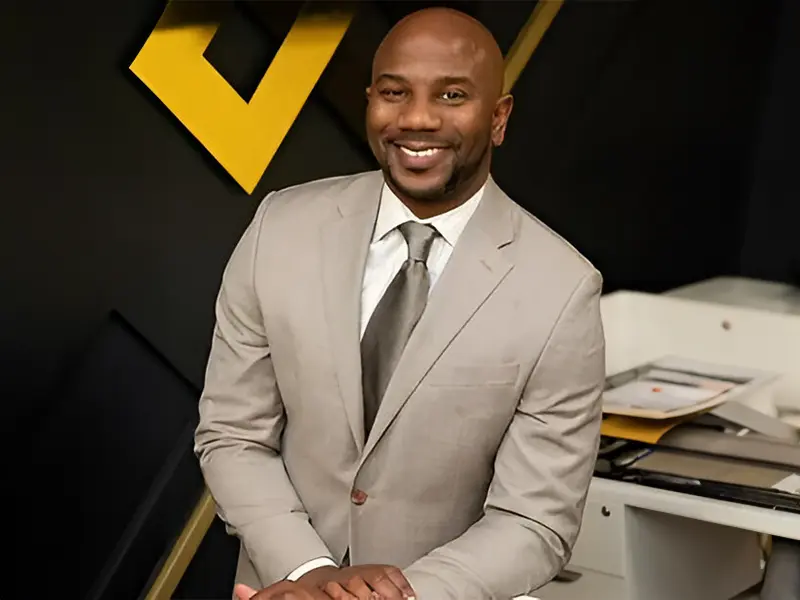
pixel 368 92
pixel 502 111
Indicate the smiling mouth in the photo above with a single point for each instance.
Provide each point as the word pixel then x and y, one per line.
pixel 426 152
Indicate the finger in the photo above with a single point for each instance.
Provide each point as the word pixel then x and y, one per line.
pixel 399 579
pixel 320 594
pixel 384 586
pixel 244 592
pixel 283 590
pixel 358 588
pixel 289 595
pixel 335 591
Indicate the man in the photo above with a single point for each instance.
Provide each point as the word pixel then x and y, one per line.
pixel 402 397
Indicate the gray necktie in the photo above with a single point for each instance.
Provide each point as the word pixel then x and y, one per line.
pixel 394 318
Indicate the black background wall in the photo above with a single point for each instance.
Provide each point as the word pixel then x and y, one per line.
pixel 771 248
pixel 658 136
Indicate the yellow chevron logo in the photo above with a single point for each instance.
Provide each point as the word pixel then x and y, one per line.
pixel 242 136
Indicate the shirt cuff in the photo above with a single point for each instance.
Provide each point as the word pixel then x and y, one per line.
pixel 310 566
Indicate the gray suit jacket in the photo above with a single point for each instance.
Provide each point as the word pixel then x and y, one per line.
pixel 474 476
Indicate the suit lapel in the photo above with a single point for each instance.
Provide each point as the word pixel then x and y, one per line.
pixel 345 244
pixel 476 267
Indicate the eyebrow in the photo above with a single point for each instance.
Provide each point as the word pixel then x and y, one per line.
pixel 446 80
pixel 392 77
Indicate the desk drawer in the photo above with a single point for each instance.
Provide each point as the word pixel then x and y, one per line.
pixel 601 542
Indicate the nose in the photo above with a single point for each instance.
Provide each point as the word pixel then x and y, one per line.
pixel 419 115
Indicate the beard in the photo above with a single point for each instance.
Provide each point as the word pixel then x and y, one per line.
pixel 459 175
pixel 431 194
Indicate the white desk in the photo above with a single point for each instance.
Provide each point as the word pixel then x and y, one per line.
pixel 640 543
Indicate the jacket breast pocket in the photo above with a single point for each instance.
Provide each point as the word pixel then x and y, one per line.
pixel 470 376
pixel 470 403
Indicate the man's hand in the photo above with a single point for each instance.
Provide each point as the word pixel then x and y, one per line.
pixel 283 590
pixel 362 582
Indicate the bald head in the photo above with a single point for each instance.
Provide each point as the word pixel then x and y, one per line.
pixel 448 27
pixel 436 107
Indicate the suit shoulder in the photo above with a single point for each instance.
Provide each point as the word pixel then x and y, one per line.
pixel 557 247
pixel 565 262
pixel 299 196
pixel 298 202
pixel 314 188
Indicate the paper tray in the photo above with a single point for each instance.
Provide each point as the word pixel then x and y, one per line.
pixel 746 382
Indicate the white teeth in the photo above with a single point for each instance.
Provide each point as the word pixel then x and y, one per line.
pixel 428 152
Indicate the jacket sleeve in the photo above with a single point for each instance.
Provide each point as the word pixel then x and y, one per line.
pixel 543 469
pixel 238 438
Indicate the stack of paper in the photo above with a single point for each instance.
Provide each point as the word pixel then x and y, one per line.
pixel 646 402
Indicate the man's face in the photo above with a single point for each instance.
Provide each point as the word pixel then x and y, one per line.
pixel 432 116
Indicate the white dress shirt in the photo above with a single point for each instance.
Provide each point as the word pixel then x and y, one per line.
pixel 387 253
pixel 388 249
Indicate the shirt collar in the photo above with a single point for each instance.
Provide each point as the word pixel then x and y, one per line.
pixel 393 213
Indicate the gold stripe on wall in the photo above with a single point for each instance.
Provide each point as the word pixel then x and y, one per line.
pixel 242 136
pixel 528 39
pixel 184 549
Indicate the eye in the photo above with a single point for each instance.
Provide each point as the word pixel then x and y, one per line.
pixel 453 96
pixel 392 94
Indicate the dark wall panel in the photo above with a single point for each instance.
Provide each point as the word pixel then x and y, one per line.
pixel 772 242
pixel 108 202
pixel 632 131
pixel 111 476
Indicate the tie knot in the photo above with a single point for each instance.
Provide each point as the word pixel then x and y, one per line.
pixel 419 238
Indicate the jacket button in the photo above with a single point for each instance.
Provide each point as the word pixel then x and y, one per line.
pixel 358 497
